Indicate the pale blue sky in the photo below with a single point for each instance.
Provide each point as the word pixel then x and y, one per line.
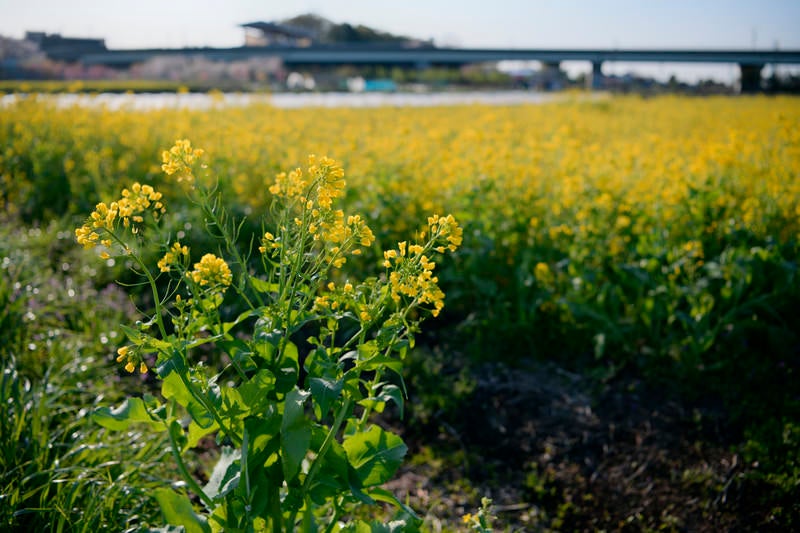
pixel 493 23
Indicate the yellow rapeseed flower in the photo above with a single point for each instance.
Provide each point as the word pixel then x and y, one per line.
pixel 180 159
pixel 211 271
pixel 171 257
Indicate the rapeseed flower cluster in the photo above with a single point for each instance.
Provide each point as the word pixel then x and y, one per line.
pixel 318 186
pixel 342 236
pixel 289 185
pixel 173 256
pixel 212 272
pixel 411 269
pixel 309 196
pixel 128 211
pixel 180 160
pixel 132 359
pixel 364 300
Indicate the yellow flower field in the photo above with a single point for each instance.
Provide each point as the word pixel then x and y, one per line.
pixel 553 197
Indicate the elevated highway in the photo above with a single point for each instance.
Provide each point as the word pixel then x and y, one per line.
pixel 750 62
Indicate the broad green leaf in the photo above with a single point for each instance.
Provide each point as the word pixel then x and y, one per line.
pixel 387 392
pixel 131 411
pixel 295 433
pixel 366 351
pixel 231 407
pixel 375 455
pixel 268 329
pixel 325 392
pixel 172 386
pixel 178 511
pixel 226 473
pixel 289 353
pixel 175 363
pixel 195 433
pixel 256 389
pixel 177 435
pixel 285 379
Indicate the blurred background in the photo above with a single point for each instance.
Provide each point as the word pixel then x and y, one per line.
pixel 359 46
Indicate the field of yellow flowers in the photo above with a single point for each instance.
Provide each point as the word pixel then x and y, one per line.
pixel 651 237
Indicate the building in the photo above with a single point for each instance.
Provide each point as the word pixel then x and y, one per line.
pixel 67 49
pixel 273 33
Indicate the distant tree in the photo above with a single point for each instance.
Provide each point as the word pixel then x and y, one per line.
pixel 330 32
pixel 344 33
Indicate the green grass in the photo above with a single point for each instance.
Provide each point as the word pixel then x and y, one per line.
pixel 58 470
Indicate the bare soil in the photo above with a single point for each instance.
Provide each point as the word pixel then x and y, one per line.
pixel 560 451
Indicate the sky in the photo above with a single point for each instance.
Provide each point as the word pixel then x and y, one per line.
pixel 740 24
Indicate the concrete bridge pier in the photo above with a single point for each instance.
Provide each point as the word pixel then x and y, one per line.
pixel 750 81
pixel 595 80
pixel 550 77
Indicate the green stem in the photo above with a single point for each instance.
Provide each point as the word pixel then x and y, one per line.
pixel 156 299
pixel 275 511
pixel 150 280
pixel 376 380
pixel 368 407
pixel 185 472
pixel 336 512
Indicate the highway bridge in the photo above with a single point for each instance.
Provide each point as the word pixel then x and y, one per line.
pixel 750 62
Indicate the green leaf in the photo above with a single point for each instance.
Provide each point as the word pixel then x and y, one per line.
pixel 175 363
pixel 255 390
pixel 262 286
pixel 388 392
pixel 325 392
pixel 383 495
pixel 173 387
pixel 387 335
pixel 395 526
pixel 382 361
pixel 333 475
pixel 239 352
pixel 178 511
pixel 375 455
pixel 295 433
pixel 195 433
pixel 226 327
pixel 131 411
pixel 225 476
pixel 365 351
pixel 134 335
pixel 231 406
pixel 290 352
pixel 393 393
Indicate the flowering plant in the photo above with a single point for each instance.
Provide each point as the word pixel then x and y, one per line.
pixel 305 363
